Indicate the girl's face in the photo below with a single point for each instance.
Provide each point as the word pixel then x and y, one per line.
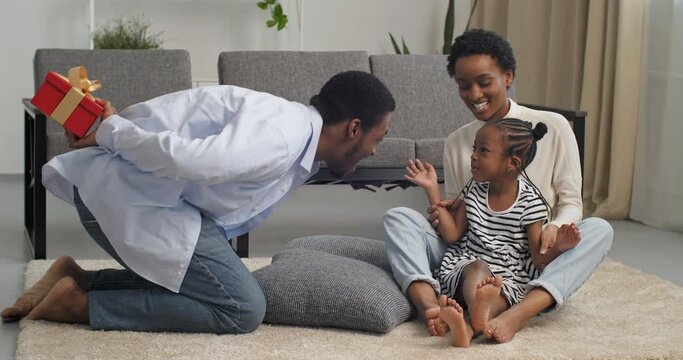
pixel 489 159
pixel 482 85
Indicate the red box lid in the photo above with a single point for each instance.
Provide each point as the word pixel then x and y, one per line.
pixel 62 83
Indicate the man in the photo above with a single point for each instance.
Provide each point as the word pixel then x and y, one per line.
pixel 164 185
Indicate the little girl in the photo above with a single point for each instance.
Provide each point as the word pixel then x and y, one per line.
pixel 495 237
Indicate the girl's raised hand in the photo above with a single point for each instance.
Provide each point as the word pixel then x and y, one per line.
pixel 423 175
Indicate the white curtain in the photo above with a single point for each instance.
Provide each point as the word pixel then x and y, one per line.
pixel 582 55
pixel 658 180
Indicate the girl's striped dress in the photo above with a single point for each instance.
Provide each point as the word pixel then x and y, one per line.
pixel 497 237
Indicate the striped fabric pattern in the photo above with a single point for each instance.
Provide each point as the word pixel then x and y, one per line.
pixel 497 237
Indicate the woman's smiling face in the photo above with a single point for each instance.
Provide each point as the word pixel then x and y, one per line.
pixel 482 85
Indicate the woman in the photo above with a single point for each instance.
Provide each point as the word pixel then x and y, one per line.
pixel 483 65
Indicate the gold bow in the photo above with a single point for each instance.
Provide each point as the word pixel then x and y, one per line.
pixel 78 78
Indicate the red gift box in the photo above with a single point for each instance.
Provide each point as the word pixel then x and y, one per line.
pixel 68 101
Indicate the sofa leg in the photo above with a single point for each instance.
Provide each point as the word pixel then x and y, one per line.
pixel 35 156
pixel 242 247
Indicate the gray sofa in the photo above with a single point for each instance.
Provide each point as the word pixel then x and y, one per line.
pixel 428 106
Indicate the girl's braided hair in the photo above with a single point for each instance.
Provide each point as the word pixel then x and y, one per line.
pixel 520 139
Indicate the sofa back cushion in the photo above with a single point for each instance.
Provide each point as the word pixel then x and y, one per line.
pixel 427 101
pixel 127 76
pixel 293 75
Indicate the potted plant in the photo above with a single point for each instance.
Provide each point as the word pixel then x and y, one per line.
pixel 127 33
pixel 447 30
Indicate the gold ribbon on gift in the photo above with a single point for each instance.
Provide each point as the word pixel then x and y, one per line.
pixel 78 78
pixel 82 86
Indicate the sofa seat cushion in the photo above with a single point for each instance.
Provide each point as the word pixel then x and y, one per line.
pixel 307 287
pixel 56 144
pixel 391 152
pixel 430 150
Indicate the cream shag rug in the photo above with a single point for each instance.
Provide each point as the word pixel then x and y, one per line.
pixel 620 313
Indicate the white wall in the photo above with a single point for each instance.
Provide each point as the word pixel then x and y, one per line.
pixel 204 28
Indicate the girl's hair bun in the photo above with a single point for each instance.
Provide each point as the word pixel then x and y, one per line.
pixel 539 131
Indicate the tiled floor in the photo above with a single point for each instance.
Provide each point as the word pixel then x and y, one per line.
pixel 312 210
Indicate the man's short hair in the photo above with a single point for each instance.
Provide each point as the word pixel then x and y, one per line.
pixel 481 42
pixel 354 95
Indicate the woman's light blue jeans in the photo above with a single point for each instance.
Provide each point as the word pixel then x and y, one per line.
pixel 218 294
pixel 415 251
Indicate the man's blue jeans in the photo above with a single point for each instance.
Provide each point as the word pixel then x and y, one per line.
pixel 218 294
pixel 415 251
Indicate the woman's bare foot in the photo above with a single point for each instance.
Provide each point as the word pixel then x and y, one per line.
pixel 62 267
pixel 568 236
pixel 66 302
pixel 504 327
pixel 487 293
pixel 451 312
pixel 435 325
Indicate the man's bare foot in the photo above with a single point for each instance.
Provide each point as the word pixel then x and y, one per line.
pixel 567 237
pixel 487 292
pixel 504 327
pixel 62 267
pixel 451 313
pixel 435 325
pixel 66 302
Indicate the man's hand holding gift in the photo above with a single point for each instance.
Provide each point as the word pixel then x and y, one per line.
pixel 90 140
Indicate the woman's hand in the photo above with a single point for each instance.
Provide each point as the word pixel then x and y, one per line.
pixel 548 238
pixel 421 175
pixel 90 139
pixel 450 205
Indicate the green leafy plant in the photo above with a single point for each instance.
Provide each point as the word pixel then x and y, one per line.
pixel 277 15
pixel 448 27
pixel 469 18
pixel 127 33
pixel 447 30
pixel 398 50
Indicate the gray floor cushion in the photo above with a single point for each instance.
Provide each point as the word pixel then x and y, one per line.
pixel 314 288
pixel 363 249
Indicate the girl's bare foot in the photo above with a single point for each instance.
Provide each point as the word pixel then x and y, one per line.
pixel 568 237
pixel 504 327
pixel 66 302
pixel 435 325
pixel 487 293
pixel 62 267
pixel 452 314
